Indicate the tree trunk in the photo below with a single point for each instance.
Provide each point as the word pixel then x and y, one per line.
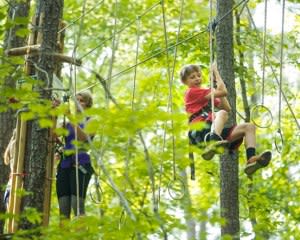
pixel 7 119
pixel 229 164
pixel 50 14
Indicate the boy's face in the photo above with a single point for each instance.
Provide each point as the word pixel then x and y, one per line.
pixel 194 79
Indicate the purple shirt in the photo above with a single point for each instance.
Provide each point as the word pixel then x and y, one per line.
pixel 69 160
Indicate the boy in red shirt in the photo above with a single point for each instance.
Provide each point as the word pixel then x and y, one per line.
pixel 197 104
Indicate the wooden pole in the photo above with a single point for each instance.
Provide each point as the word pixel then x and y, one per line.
pixel 50 158
pixel 32 50
pixel 13 176
pixel 19 173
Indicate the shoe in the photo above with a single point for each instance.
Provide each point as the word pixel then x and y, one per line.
pixel 257 162
pixel 213 148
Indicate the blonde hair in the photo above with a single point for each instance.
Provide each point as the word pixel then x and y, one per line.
pixel 87 98
pixel 10 149
pixel 187 70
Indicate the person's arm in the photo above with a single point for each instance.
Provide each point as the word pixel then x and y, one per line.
pixel 220 90
pixel 224 104
pixel 81 135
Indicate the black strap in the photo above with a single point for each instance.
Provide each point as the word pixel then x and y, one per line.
pixel 203 112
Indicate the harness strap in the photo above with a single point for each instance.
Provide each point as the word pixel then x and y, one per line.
pixel 203 112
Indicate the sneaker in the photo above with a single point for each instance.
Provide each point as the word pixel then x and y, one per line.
pixel 257 162
pixel 213 148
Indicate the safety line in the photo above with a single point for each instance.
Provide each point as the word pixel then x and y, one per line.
pixel 108 82
pixel 80 17
pixel 274 73
pixel 264 53
pixel 119 31
pixel 149 58
pixel 211 74
pixel 281 63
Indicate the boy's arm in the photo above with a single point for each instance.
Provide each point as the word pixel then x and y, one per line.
pixel 225 104
pixel 220 91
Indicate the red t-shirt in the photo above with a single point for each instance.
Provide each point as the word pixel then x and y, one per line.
pixel 195 100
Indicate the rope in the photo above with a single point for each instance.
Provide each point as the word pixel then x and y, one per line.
pixel 264 53
pixel 121 30
pixel 159 52
pixel 108 82
pixel 136 58
pixel 230 11
pixel 76 44
pixel 82 15
pixel 274 74
pixel 171 87
pixel 281 63
pixel 148 58
pixel 212 98
pixel 259 108
pixel 170 97
pixel 169 107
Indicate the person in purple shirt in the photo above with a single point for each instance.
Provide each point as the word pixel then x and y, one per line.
pixel 66 182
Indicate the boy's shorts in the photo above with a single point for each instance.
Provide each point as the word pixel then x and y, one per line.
pixel 198 137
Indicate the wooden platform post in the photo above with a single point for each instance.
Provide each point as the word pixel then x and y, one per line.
pixel 30 51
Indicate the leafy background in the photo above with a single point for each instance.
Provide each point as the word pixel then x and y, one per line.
pixel 105 39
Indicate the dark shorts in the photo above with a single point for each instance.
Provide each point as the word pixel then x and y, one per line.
pixel 199 137
pixel 66 180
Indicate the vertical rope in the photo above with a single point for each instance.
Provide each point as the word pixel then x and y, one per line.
pixel 281 64
pixel 264 54
pixel 170 105
pixel 76 44
pixel 108 83
pixel 138 21
pixel 211 77
pixel 170 98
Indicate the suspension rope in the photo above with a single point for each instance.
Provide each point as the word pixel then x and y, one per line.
pixel 281 63
pixel 138 21
pixel 258 109
pixel 279 131
pixel 76 44
pixel 161 51
pixel 82 15
pixel 274 73
pixel 230 11
pixel 211 75
pixel 121 30
pixel 170 80
pixel 113 43
pixel 148 58
pixel 264 53
pixel 170 101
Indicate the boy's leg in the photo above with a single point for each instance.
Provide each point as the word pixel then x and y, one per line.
pixel 218 143
pixel 254 162
pixel 221 118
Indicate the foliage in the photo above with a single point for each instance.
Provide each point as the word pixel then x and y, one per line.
pixel 142 172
